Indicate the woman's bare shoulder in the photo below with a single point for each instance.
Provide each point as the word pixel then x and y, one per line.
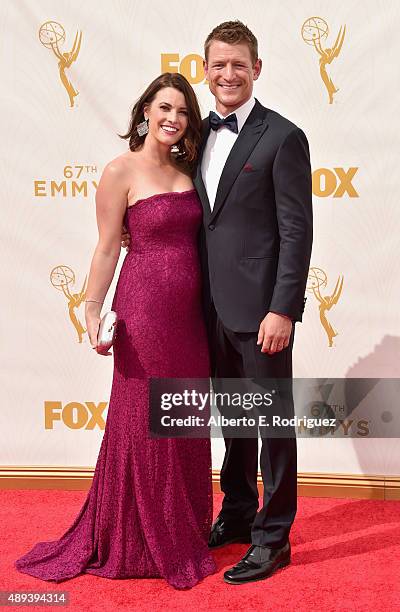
pixel 120 165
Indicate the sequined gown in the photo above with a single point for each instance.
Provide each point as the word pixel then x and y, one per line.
pixel 148 512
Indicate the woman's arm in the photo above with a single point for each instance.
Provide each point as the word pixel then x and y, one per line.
pixel 111 199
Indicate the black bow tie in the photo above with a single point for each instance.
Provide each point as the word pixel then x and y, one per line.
pixel 230 122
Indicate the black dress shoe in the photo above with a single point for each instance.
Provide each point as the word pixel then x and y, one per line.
pixel 259 563
pixel 227 532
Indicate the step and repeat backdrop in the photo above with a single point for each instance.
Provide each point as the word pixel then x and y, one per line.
pixel 71 72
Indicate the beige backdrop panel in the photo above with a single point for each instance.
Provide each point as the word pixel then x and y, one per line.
pixel 53 154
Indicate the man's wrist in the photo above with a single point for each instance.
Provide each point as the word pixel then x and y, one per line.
pixel 282 315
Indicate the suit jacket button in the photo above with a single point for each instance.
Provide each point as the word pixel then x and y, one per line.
pixel 211 226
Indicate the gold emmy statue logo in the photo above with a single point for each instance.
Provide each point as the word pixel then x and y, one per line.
pixel 61 277
pixel 51 35
pixel 316 283
pixel 313 31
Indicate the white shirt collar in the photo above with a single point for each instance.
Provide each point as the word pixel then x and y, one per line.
pixel 242 112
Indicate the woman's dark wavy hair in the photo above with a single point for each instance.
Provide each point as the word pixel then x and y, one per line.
pixel 189 144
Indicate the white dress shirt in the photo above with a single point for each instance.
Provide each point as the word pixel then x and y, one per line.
pixel 217 149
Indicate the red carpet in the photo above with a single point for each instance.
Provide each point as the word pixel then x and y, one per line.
pixel 345 557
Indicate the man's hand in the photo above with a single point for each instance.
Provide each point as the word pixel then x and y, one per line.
pixel 274 333
pixel 125 238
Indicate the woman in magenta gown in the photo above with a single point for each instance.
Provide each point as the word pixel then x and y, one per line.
pixel 148 512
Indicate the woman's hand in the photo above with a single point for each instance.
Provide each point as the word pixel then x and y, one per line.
pixel 92 316
pixel 125 238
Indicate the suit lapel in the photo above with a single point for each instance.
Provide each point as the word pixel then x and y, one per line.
pixel 255 125
pixel 198 179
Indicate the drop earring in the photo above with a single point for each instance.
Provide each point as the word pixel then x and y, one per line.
pixel 143 127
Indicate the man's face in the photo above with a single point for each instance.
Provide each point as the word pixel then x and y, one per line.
pixel 230 73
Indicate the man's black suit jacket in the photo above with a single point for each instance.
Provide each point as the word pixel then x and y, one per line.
pixel 255 244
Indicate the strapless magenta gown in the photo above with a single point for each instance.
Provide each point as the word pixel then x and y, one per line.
pixel 148 512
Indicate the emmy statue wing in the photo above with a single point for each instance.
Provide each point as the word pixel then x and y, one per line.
pixel 76 48
pixel 84 286
pixel 338 42
pixel 338 290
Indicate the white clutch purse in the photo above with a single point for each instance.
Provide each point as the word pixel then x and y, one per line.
pixel 107 331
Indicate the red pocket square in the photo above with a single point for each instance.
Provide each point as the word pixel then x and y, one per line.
pixel 248 168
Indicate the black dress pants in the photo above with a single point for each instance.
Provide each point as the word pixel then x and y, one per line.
pixel 237 355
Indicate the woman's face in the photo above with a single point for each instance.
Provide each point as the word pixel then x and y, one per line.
pixel 168 116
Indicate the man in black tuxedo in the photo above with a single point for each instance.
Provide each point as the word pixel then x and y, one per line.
pixel 254 181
